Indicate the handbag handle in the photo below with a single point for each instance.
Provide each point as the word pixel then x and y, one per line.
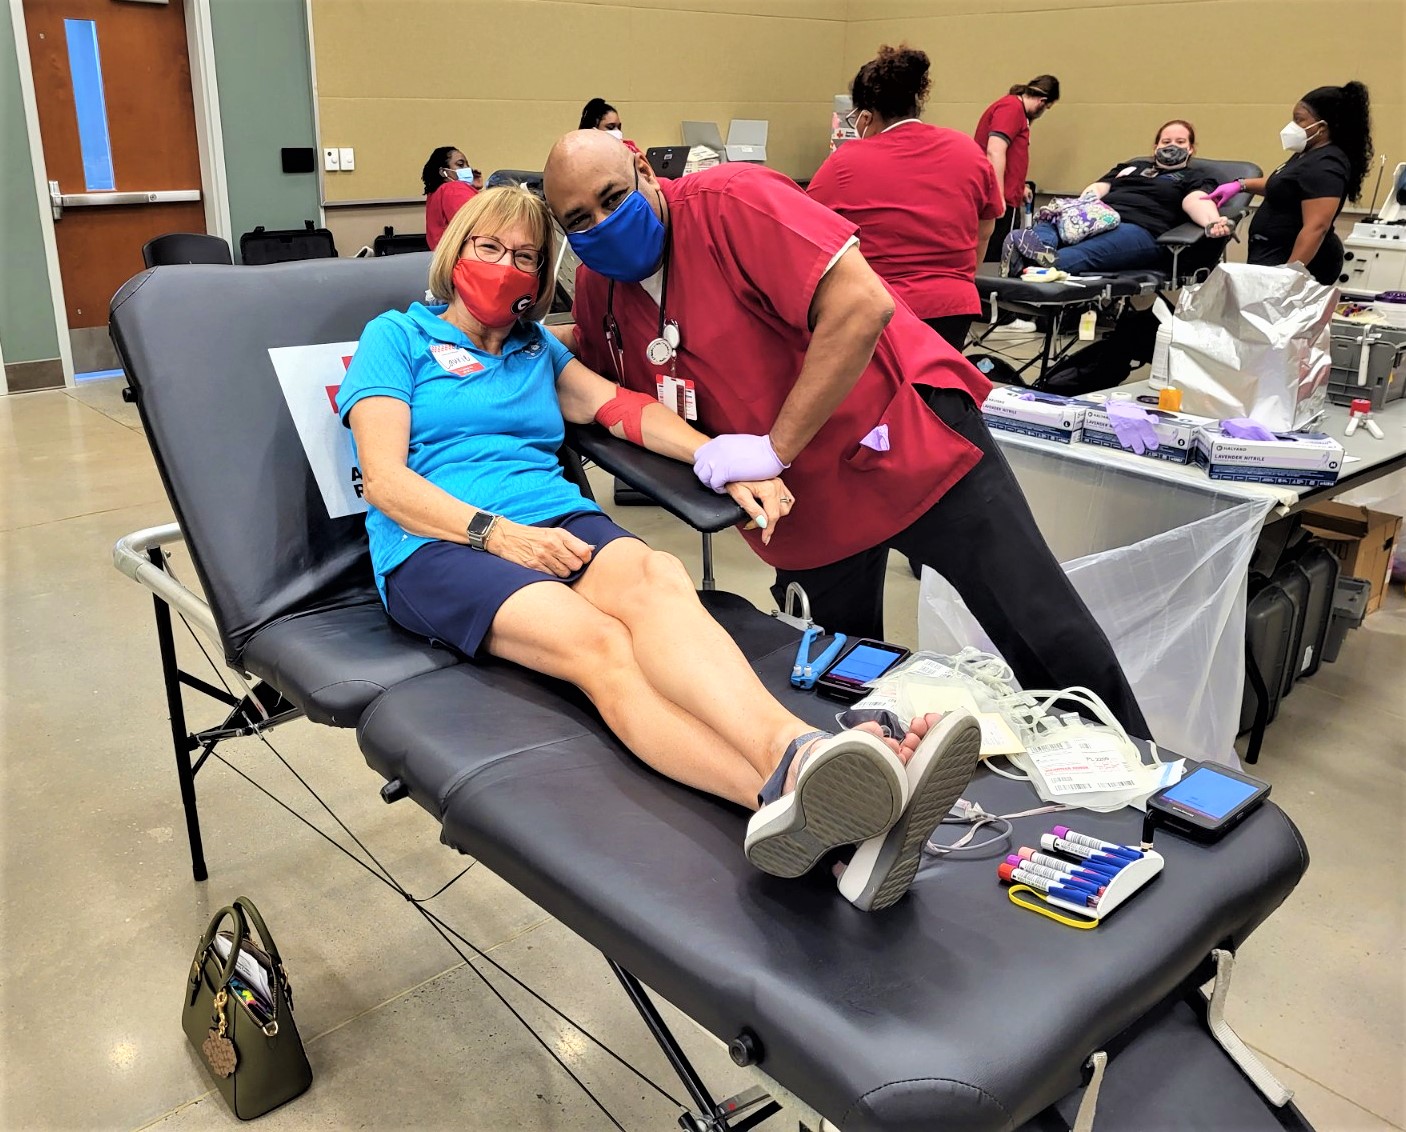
pixel 241 932
pixel 245 906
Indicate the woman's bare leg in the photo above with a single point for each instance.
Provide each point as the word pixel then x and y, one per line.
pixel 551 629
pixel 686 655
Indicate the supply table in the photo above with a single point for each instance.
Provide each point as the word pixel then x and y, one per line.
pixel 1161 554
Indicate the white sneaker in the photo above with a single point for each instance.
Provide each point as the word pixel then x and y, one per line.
pixel 849 788
pixel 1017 326
pixel 884 867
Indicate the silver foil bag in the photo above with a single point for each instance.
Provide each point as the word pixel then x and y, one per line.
pixel 1254 342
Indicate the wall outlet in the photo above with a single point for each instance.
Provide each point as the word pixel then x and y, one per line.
pixel 331 159
pixel 348 158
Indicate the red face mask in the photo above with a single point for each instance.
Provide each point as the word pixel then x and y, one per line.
pixel 496 294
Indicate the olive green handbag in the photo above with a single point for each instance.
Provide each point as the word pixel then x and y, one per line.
pixel 238 1014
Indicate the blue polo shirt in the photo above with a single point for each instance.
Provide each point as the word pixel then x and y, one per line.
pixel 484 427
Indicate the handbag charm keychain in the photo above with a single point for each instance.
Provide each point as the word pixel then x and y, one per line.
pixel 219 1050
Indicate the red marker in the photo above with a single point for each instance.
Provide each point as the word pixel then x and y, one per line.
pixel 1070 895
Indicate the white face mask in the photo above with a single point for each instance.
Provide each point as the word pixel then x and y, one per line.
pixel 1074 762
pixel 1294 137
pixel 617 134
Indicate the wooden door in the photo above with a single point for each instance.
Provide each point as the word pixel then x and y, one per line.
pixel 113 90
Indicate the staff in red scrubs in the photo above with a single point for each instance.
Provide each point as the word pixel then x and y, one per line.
pixel 924 198
pixel 745 305
pixel 1003 131
pixel 449 185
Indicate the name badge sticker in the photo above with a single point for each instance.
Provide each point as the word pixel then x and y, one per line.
pixel 455 359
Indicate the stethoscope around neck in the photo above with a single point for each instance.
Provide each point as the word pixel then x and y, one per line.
pixel 664 348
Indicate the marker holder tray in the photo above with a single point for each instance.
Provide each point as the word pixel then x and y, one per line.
pixel 1125 883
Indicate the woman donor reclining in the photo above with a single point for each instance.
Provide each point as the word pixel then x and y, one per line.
pixel 481 543
pixel 1152 195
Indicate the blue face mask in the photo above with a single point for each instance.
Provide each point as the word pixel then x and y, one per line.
pixel 627 245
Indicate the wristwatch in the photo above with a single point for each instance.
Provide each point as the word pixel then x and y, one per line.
pixel 479 528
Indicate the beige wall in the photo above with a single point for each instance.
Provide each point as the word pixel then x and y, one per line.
pixel 1233 67
pixel 354 228
pixel 502 79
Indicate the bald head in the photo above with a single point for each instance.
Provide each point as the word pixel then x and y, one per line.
pixel 588 173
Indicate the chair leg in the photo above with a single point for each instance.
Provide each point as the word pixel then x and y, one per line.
pixel 709 583
pixel 181 743
pixel 740 1113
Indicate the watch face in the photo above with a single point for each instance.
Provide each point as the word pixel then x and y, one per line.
pixel 478 528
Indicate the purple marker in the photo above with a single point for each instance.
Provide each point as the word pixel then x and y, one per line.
pixel 1054 876
pixel 1094 843
pixel 1093 858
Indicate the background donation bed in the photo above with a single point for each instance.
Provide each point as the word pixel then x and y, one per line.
pixel 953 1010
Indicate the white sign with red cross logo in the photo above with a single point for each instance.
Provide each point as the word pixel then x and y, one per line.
pixel 310 377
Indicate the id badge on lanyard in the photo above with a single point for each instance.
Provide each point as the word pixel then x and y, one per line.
pixel 677 394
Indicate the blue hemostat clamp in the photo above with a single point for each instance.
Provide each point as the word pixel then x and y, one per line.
pixel 806 671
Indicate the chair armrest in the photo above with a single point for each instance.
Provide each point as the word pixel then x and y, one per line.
pixel 1238 206
pixel 1182 236
pixel 1187 233
pixel 670 483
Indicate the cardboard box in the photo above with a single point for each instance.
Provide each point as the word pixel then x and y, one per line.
pixel 1298 459
pixel 1045 415
pixel 1176 432
pixel 1362 540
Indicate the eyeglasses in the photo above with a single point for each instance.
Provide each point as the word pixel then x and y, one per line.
pixel 852 119
pixel 492 250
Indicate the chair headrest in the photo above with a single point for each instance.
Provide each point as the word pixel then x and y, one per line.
pixel 194 341
pixel 527 178
pixel 1224 171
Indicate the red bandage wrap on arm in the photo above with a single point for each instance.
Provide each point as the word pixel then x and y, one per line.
pixel 625 408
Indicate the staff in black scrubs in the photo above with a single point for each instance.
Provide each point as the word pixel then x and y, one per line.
pixel 1330 137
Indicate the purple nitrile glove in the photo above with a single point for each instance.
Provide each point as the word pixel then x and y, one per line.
pixel 1222 193
pixel 1134 426
pixel 736 456
pixel 1245 428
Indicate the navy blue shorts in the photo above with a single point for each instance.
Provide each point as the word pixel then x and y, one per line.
pixel 450 593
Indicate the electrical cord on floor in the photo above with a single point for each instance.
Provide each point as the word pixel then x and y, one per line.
pixel 447 933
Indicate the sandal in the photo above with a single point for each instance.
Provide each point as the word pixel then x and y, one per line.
pixel 850 787
pixel 883 868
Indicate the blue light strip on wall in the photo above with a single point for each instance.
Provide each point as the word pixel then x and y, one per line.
pixel 86 69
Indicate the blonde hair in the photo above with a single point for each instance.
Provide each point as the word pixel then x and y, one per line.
pixel 487 214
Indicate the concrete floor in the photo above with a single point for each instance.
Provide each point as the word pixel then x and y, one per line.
pixel 100 915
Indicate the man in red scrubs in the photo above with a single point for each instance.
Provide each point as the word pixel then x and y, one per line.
pixel 747 306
